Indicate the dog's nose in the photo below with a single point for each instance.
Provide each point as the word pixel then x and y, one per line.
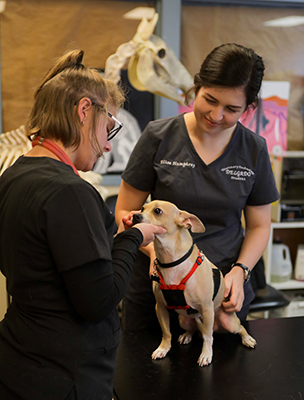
pixel 137 218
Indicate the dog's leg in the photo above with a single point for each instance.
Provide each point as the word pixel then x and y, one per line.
pixel 231 323
pixel 164 321
pixel 206 329
pixel 190 326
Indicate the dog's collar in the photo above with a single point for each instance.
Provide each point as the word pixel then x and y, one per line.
pixel 177 262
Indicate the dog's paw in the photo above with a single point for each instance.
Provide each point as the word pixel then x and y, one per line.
pixel 204 359
pixel 160 352
pixel 249 341
pixel 185 338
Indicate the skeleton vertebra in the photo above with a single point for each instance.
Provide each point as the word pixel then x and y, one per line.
pixel 12 145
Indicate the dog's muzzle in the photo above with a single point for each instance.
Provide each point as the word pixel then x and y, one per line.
pixel 137 218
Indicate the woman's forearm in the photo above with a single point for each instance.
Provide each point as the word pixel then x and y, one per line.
pixel 254 245
pixel 258 221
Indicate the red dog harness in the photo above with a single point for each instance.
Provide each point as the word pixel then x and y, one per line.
pixel 174 294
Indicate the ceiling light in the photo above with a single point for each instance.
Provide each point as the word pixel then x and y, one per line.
pixel 286 21
pixel 140 13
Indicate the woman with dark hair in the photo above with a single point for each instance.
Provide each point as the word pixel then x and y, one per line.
pixel 208 164
pixel 65 272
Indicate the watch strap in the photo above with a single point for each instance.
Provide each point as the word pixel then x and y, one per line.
pixel 246 270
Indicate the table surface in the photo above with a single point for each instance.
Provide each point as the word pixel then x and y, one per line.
pixel 274 370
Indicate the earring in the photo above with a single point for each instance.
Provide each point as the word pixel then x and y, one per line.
pixel 82 122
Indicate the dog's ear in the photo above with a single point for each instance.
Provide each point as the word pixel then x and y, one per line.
pixel 187 220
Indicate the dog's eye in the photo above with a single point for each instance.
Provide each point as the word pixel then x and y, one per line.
pixel 158 211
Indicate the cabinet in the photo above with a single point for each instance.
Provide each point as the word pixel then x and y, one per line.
pixel 288 169
pixel 292 234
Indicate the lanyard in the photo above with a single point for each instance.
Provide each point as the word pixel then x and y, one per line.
pixel 55 149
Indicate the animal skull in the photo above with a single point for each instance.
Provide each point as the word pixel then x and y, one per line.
pixel 152 65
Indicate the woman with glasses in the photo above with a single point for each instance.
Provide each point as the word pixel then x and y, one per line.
pixel 209 164
pixel 65 272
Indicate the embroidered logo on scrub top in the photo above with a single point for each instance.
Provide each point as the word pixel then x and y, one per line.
pixel 182 164
pixel 238 172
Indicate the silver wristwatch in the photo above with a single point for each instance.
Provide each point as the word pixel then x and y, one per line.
pixel 247 272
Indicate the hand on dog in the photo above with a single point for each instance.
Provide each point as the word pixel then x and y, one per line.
pixel 234 290
pixel 149 231
pixel 127 220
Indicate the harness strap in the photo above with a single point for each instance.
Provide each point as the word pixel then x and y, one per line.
pixel 198 262
pixel 216 280
pixel 181 286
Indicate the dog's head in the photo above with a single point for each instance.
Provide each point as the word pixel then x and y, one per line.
pixel 166 214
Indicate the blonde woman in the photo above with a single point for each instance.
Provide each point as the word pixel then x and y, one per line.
pixel 65 273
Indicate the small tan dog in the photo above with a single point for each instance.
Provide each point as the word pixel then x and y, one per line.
pixel 199 304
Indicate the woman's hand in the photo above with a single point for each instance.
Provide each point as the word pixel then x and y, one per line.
pixel 126 222
pixel 149 231
pixel 234 290
pixel 152 269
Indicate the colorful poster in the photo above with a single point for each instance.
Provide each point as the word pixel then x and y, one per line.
pixel 270 118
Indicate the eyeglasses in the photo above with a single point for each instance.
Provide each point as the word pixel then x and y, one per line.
pixel 117 124
pixel 117 127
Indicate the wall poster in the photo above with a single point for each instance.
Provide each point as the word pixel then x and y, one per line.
pixel 269 119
